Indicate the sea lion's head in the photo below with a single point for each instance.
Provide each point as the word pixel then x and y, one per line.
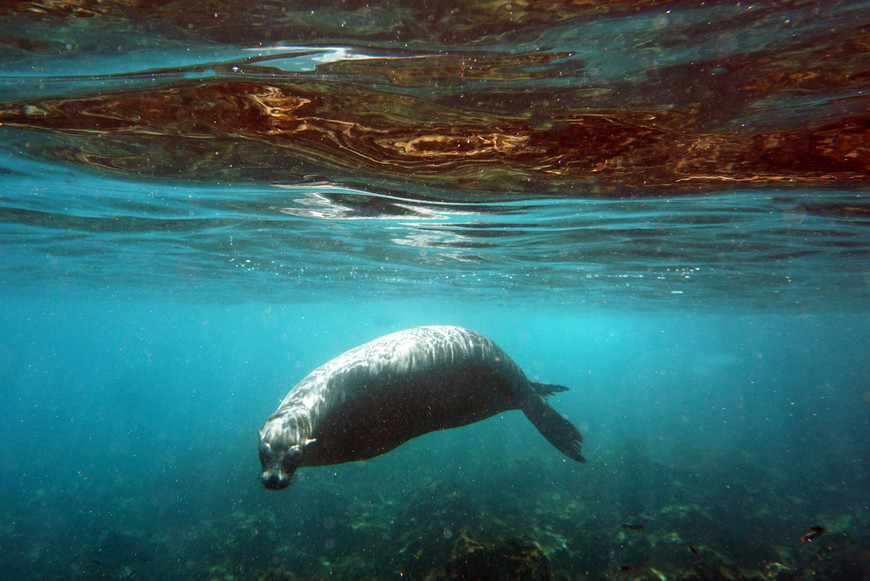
pixel 281 446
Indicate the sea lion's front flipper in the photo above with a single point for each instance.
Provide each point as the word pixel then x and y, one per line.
pixel 559 431
pixel 547 389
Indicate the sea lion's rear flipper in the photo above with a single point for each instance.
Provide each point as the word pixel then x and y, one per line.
pixel 559 431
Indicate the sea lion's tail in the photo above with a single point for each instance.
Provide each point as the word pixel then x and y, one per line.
pixel 558 431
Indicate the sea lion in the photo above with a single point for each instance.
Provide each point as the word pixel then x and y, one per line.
pixel 374 397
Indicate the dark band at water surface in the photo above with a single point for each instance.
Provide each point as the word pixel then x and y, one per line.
pixel 387 98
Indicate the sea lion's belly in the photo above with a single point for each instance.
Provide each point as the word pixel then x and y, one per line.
pixel 390 408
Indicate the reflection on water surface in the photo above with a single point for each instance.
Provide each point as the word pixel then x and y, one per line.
pixel 452 100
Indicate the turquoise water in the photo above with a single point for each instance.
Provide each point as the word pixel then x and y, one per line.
pixel 660 205
pixel 80 235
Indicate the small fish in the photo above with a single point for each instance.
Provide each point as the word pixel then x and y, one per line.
pixel 813 532
pixel 633 527
pixel 694 550
pixel 625 568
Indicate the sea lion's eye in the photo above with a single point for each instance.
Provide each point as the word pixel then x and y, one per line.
pixel 265 452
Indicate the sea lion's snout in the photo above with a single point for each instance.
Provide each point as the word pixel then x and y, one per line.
pixel 274 481
pixel 278 465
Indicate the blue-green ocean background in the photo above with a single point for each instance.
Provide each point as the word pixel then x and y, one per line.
pixel 130 435
pixel 715 345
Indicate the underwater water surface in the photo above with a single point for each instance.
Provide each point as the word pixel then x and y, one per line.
pixel 659 204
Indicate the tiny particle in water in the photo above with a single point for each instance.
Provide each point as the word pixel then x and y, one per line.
pixel 447 534
pixel 633 527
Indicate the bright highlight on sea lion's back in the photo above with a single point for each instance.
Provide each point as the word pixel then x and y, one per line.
pixel 379 395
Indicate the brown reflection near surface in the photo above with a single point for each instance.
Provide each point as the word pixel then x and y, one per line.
pixel 198 130
pixel 446 70
pixel 711 106
pixel 242 21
